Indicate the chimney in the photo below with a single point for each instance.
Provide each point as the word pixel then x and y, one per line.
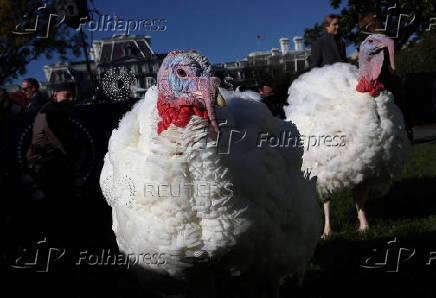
pixel 298 43
pixel 96 44
pixel 91 54
pixel 47 72
pixel 284 44
pixel 275 52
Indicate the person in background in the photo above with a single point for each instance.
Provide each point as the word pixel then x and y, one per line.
pixel 328 48
pixel 35 101
pixel 55 162
pixel 53 153
pixel 272 100
pixel 241 88
pixel 8 104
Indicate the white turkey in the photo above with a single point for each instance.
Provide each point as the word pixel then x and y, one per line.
pixel 354 133
pixel 203 204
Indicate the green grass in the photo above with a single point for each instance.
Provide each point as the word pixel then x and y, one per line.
pixel 406 213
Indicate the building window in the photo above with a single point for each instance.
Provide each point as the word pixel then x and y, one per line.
pixel 128 51
pixel 149 81
pixel 129 68
pixel 155 67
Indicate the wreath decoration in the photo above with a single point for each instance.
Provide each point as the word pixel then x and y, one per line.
pixel 117 82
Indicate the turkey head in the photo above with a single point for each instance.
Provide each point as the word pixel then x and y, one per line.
pixel 186 87
pixel 371 58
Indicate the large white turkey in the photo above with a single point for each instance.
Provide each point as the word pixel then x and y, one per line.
pixel 354 133
pixel 228 204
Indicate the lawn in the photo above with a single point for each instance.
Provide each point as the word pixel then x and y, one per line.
pixel 405 217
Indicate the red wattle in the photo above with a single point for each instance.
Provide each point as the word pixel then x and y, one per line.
pixel 374 87
pixel 179 116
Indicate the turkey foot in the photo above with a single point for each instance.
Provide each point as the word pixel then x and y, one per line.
pixel 326 234
pixel 327 228
pixel 364 226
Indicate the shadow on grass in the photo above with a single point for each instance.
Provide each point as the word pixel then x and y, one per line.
pixel 411 198
pixel 339 273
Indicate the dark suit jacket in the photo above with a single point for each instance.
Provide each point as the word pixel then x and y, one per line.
pixel 327 50
pixel 36 103
pixel 53 135
pixel 275 105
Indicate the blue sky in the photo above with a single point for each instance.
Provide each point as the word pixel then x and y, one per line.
pixel 222 30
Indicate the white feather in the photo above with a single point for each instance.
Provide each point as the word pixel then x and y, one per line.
pixel 259 212
pixel 324 102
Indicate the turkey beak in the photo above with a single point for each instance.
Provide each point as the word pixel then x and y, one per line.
pixel 208 88
pixel 220 100
pixel 389 43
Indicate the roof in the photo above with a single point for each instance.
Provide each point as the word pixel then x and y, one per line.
pixel 122 46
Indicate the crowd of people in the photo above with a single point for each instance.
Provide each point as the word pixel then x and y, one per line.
pixel 52 143
pixel 49 179
pixel 28 99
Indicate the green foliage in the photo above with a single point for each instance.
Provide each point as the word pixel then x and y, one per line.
pixel 407 214
pixel 419 170
pixel 310 35
pixel 335 3
pixel 17 50
pixel 421 163
pixel 419 56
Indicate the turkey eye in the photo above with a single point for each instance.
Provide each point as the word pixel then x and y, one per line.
pixel 181 73
pixel 370 41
